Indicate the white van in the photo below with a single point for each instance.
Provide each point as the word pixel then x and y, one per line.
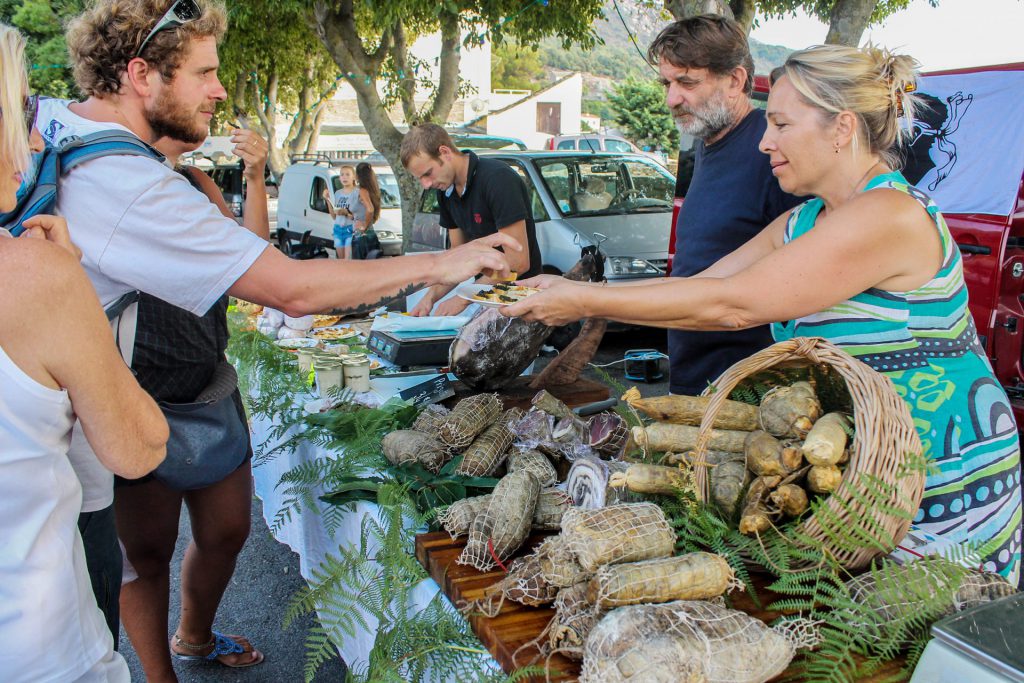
pixel 301 207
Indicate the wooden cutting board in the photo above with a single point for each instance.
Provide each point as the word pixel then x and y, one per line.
pixel 516 625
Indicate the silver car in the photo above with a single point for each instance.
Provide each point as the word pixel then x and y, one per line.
pixel 623 202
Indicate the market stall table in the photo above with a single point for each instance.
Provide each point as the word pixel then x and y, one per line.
pixel 306 533
pixel 516 625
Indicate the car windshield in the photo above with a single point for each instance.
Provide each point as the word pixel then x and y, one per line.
pixel 607 185
pixel 390 198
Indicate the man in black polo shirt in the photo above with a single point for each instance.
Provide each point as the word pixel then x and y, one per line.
pixel 477 197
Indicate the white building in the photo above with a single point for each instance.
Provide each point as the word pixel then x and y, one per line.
pixel 536 118
pixel 556 110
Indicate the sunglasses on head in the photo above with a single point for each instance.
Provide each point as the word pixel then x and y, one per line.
pixel 181 12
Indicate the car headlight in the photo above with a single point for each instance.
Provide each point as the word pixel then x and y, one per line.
pixel 627 265
pixel 385 235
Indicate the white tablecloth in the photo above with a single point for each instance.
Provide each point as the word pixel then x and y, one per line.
pixel 306 534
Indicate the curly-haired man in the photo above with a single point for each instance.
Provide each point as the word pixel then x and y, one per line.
pixel 149 67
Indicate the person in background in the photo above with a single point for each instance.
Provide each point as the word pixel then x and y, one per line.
pixel 176 355
pixel 149 68
pixel 366 209
pixel 708 74
pixel 869 264
pixel 58 360
pixel 477 197
pixel 340 207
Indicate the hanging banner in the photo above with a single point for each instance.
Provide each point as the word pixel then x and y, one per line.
pixel 967 146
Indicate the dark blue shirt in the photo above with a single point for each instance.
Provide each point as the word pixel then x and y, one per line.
pixel 732 197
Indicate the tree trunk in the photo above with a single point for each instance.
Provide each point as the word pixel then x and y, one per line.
pixel 681 9
pixel 336 27
pixel 743 12
pixel 848 20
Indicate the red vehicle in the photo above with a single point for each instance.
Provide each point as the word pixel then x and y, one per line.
pixel 973 119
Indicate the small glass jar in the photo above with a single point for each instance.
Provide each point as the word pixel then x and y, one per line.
pixel 305 357
pixel 329 376
pixel 357 373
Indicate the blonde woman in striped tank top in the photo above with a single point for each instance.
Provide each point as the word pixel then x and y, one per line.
pixel 867 263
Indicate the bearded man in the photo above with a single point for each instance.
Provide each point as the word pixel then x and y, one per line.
pixel 708 74
pixel 148 68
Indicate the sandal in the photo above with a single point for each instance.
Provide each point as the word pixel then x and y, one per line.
pixel 222 645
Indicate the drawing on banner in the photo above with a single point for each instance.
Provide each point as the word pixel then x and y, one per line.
pixel 933 144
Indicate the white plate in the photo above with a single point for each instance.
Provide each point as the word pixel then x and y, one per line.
pixel 345 333
pixel 297 343
pixel 468 290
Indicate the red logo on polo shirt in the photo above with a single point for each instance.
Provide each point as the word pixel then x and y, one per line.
pixel 477 218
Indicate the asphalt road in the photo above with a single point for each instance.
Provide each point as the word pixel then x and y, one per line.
pixel 266 578
pixel 267 575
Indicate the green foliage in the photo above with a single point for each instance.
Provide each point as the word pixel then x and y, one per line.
pixel 366 586
pixel 822 9
pixel 429 491
pixel 42 22
pixel 857 635
pixel 639 107
pixel 599 108
pixel 515 67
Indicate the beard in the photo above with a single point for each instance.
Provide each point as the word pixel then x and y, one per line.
pixel 705 121
pixel 170 119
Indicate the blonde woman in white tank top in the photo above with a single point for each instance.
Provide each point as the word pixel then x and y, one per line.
pixel 57 361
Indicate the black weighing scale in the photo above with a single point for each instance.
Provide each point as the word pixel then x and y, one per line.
pixel 412 348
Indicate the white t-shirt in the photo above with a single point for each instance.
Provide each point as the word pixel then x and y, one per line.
pixel 141 226
pixel 50 626
pixel 343 200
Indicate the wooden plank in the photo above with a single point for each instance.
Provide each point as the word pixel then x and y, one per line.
pixel 513 627
pixel 518 394
pixel 516 625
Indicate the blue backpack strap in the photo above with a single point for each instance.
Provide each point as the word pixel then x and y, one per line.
pixel 40 192
pixel 78 150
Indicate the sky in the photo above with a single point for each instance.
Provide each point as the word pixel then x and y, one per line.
pixel 955 34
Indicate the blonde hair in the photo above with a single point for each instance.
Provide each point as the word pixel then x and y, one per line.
pixel 871 82
pixel 13 88
pixel 104 38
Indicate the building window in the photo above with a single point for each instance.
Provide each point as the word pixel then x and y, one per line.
pixel 549 118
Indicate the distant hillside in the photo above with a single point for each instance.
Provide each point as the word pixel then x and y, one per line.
pixel 618 59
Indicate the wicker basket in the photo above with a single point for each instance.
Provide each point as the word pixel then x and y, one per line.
pixel 885 435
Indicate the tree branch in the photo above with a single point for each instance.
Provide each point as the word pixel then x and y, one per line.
pixel 448 81
pixel 681 9
pixel 407 82
pixel 743 12
pixel 847 21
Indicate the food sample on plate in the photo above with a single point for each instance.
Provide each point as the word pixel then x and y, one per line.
pixel 504 293
pixel 325 320
pixel 333 333
pixel 296 343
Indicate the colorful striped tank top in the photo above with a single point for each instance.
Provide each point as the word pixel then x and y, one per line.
pixel 925 342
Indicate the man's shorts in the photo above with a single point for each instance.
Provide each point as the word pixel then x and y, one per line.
pixel 342 236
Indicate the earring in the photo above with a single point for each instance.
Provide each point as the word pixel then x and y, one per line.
pixel 836 149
